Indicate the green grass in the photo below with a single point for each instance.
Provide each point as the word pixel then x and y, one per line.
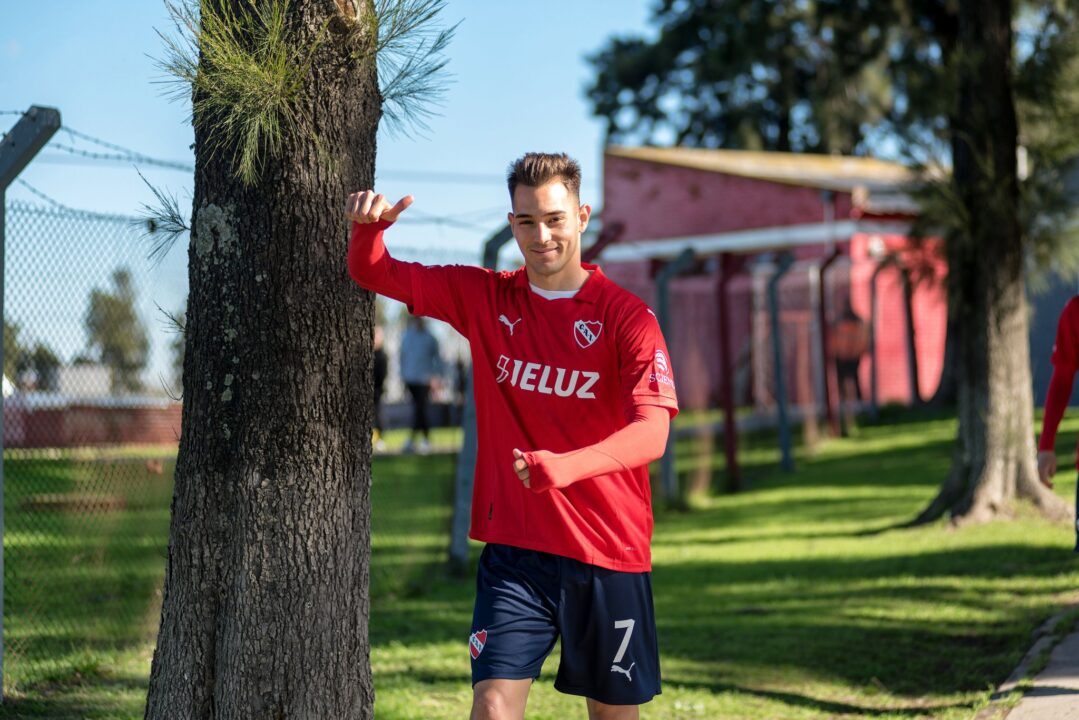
pixel 799 598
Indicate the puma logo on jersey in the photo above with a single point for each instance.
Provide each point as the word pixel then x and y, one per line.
pixel 615 668
pixel 506 321
pixel 534 377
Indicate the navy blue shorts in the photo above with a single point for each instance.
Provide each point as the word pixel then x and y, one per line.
pixel 526 599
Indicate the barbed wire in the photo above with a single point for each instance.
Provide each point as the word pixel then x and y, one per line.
pixel 441 176
pixel 68 210
pixel 131 157
pixel 469 220
pixel 41 195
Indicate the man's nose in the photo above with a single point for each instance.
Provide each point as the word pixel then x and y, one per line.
pixel 544 233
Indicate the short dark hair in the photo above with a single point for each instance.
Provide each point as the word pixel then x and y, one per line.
pixel 536 169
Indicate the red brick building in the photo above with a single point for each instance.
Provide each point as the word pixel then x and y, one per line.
pixel 845 223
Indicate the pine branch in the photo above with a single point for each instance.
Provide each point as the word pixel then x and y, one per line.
pixel 410 53
pixel 162 223
pixel 245 71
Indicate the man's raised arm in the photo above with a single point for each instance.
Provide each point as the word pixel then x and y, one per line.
pixel 369 263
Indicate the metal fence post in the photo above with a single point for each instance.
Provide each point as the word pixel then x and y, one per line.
pixel 17 149
pixel 466 459
pixel 663 279
pixel 786 260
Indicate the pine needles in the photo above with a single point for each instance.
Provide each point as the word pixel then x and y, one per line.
pixel 245 71
pixel 245 68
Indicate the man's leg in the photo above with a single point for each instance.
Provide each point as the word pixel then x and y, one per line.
pixel 414 393
pixel 513 628
pixel 423 397
pixel 500 699
pixel 601 711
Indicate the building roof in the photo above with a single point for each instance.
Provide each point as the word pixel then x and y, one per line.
pixel 857 175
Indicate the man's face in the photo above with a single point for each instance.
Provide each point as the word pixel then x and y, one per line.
pixel 547 222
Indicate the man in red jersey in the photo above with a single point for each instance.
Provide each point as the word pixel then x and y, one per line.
pixel 574 396
pixel 1065 363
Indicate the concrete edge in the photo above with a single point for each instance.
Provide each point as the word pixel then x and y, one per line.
pixel 1043 643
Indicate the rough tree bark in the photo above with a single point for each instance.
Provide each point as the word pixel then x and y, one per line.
pixel 994 457
pixel 266 589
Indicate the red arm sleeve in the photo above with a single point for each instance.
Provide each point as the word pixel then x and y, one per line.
pixel 638 443
pixel 1056 401
pixel 370 264
pixel 1065 362
pixel 446 293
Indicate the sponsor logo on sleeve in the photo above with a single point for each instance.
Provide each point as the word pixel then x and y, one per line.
pixel 476 642
pixel 586 332
pixel 662 367
pixel 661 362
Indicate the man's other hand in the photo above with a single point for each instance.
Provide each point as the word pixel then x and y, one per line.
pixel 520 466
pixel 1047 467
pixel 368 207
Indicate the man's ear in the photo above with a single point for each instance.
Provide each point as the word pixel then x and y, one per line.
pixel 583 214
pixel 509 219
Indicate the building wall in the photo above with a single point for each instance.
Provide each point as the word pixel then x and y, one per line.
pixel 659 201
pixel 694 341
pixel 80 425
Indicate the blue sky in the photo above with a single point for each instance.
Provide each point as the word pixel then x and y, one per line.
pixel 517 77
pixel 517 74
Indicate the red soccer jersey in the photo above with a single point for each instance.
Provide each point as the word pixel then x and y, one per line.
pixel 552 375
pixel 1065 363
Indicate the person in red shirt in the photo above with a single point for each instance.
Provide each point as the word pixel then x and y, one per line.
pixel 1065 360
pixel 574 395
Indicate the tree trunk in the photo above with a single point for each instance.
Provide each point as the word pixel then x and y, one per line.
pixel 266 591
pixel 994 457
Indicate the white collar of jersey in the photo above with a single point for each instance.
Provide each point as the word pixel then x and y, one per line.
pixel 553 294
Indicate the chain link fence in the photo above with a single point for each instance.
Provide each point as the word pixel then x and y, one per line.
pixel 90 435
pixel 91 427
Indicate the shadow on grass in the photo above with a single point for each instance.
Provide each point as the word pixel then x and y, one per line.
pixel 78 698
pixel 863 619
pixel 819 705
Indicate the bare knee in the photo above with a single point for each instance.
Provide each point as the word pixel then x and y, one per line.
pixel 602 711
pixel 500 699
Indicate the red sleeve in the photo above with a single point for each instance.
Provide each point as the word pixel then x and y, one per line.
pixel 1056 401
pixel 638 443
pixel 645 365
pixel 1066 348
pixel 1065 360
pixel 370 264
pixel 441 292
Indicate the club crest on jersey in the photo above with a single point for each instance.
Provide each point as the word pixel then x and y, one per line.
pixel 476 643
pixel 586 332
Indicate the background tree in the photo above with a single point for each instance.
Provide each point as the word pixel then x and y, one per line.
pixel 13 350
pixel 266 603
pixel 763 74
pixel 894 72
pixel 994 457
pixel 115 333
pixel 45 364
